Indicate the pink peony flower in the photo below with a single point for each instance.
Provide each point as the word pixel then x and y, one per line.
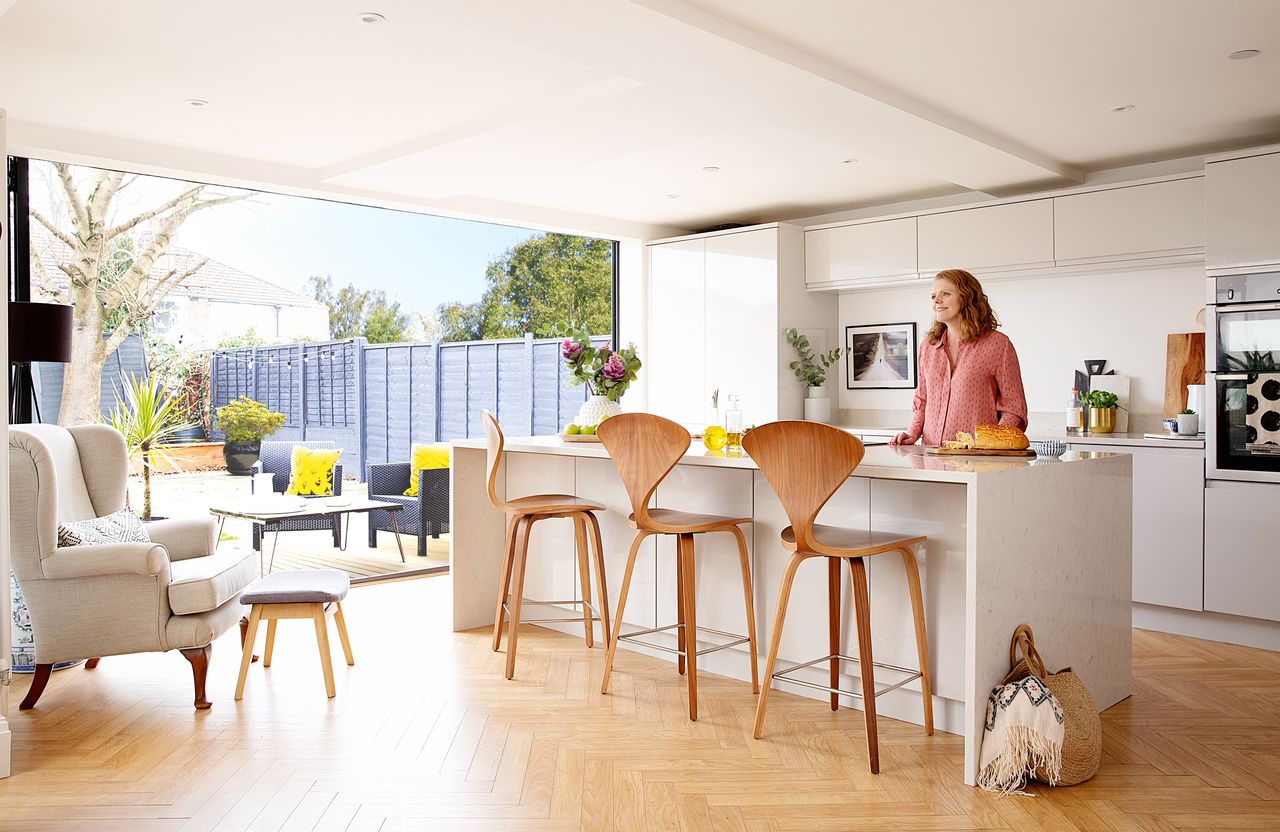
pixel 570 350
pixel 613 369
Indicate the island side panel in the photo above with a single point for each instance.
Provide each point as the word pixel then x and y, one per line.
pixel 476 539
pixel 1051 546
pixel 551 566
pixel 597 480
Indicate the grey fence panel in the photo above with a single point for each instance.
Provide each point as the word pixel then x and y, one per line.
pixel 130 358
pixel 454 401
pixel 482 385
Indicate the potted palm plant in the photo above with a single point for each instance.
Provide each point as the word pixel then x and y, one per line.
pixel 812 371
pixel 149 420
pixel 245 422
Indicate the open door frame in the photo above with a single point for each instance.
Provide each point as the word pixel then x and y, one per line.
pixel 6 615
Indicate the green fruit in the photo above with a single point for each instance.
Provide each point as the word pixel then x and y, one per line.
pixel 588 430
pixel 571 430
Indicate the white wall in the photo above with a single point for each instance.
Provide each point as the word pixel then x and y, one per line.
pixel 1055 323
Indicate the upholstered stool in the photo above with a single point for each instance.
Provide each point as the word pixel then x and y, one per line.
pixel 312 594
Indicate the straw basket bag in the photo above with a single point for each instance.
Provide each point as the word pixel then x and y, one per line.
pixel 1082 732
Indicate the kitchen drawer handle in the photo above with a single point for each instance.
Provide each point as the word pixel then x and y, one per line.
pixel 1233 376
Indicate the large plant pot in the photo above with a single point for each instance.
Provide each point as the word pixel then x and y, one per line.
pixel 191 433
pixel 241 457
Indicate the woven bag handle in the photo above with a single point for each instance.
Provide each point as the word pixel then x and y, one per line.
pixel 1024 640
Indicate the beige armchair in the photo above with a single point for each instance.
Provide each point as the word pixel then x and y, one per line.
pixel 86 602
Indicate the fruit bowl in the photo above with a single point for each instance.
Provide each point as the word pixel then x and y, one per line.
pixel 1050 448
pixel 579 437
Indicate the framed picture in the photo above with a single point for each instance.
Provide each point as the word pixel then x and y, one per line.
pixel 881 356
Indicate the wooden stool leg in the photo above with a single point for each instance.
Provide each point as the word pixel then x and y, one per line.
pixel 748 595
pixel 775 638
pixel 685 545
pixel 833 613
pixel 271 642
pixel 862 612
pixel 322 640
pixel 519 555
pixel 505 588
pixel 251 633
pixel 584 575
pixel 622 607
pixel 922 641
pixel 680 628
pixel 341 624
pixel 602 587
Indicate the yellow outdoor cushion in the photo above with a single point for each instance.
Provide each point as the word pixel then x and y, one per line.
pixel 425 457
pixel 311 470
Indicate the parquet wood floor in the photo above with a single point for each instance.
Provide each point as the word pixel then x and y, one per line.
pixel 425 734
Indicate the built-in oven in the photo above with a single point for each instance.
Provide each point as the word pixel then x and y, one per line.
pixel 1242 377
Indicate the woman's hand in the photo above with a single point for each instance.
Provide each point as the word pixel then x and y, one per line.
pixel 903 438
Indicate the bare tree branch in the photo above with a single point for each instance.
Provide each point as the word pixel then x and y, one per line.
pixel 50 287
pixel 73 272
pixel 189 195
pixel 79 214
pixel 53 229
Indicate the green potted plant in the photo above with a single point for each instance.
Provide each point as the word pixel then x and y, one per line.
pixel 1102 406
pixel 1188 423
pixel 245 422
pixel 149 420
pixel 812 369
pixel 606 372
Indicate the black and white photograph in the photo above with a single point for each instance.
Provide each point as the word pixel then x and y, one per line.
pixel 880 356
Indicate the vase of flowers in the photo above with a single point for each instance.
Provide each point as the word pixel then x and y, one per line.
pixel 606 372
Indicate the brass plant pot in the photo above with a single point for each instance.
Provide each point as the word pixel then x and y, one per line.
pixel 1102 419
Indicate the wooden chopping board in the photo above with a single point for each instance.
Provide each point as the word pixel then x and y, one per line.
pixel 1184 364
pixel 977 452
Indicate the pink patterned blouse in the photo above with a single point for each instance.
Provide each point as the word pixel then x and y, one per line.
pixel 984 389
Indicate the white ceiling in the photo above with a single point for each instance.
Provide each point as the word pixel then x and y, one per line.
pixel 587 114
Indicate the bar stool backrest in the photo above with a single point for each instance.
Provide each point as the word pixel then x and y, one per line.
pixel 644 449
pixel 804 462
pixel 493 443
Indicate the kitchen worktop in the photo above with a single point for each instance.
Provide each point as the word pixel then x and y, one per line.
pixel 1132 439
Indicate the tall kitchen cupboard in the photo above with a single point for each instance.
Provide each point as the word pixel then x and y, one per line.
pixel 1242 209
pixel 717 305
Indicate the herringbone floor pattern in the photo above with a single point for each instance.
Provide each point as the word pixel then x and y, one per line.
pixel 425 734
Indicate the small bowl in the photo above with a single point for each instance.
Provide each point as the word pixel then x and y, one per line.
pixel 1049 448
pixel 1170 425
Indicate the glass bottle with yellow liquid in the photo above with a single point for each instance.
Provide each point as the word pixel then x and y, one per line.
pixel 733 425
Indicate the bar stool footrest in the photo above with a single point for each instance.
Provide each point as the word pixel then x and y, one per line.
pixel 631 637
pixel 912 675
pixel 595 614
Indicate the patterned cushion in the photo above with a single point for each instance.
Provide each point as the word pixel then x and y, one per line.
pixel 311 470
pixel 425 457
pixel 120 527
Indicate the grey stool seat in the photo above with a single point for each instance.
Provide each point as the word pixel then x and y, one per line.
pixel 310 593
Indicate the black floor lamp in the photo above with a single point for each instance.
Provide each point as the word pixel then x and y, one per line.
pixel 37 332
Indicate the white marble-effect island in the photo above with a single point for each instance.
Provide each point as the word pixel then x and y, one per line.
pixel 1011 541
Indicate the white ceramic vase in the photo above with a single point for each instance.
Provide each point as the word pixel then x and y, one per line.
pixel 817 407
pixel 595 410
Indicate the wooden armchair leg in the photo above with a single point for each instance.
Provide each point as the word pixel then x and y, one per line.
pixel 38 681
pixel 199 658
pixel 92 663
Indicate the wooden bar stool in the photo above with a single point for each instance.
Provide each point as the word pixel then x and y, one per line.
pixel 644 449
pixel 805 462
pixel 522 513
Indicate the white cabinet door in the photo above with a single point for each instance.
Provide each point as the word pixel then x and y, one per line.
pixel 870 252
pixel 1241 541
pixel 1168 524
pixel 1242 212
pixel 742 322
pixel 1159 219
pixel 996 238
pixel 676 364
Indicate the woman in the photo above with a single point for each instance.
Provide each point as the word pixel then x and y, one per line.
pixel 968 372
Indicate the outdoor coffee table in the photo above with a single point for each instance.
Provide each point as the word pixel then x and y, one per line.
pixel 273 511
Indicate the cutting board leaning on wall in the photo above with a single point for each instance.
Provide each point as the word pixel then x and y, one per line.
pixel 1184 364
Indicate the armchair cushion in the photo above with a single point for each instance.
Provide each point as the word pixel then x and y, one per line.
pixel 311 470
pixel 106 559
pixel 203 584
pixel 122 526
pixel 425 458
pixel 185 537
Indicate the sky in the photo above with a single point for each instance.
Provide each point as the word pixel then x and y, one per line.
pixel 420 260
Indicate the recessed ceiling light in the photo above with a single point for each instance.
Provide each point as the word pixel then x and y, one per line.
pixel 197 102
pixel 1244 54
pixel 711 169
pixel 674 196
pixel 371 18
pixel 1122 108
pixel 848 161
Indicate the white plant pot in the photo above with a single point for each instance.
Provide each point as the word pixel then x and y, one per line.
pixel 595 410
pixel 817 407
pixel 1188 424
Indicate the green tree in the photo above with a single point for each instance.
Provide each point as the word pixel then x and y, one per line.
pixel 361 312
pixel 539 286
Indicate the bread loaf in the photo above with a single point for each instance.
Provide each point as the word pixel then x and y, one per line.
pixel 999 438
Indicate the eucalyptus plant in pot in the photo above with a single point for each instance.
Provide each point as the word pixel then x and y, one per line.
pixel 812 369
pixel 245 423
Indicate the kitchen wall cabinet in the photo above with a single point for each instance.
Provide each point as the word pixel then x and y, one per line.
pixel 1241 570
pixel 868 252
pixel 1152 220
pixel 718 303
pixel 1017 235
pixel 1242 211
pixel 1168 524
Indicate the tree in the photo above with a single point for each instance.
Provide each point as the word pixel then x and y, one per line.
pixel 113 277
pixel 539 286
pixel 361 312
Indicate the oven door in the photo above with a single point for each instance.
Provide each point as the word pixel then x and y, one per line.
pixel 1242 430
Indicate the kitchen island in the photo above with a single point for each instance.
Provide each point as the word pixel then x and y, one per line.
pixel 1011 541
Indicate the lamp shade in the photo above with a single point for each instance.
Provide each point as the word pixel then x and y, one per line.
pixel 39 332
